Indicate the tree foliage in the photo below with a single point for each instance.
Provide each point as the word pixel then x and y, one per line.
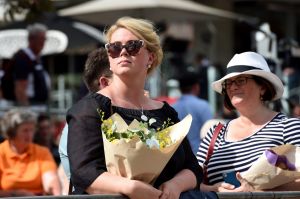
pixel 33 9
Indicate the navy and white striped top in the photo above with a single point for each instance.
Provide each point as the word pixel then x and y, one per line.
pixel 239 156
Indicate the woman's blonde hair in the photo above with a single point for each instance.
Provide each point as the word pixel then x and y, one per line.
pixel 144 30
pixel 13 118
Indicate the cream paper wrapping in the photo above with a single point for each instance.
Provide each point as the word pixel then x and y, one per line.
pixel 133 159
pixel 263 175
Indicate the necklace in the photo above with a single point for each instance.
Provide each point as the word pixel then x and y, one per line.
pixel 127 103
pixel 143 116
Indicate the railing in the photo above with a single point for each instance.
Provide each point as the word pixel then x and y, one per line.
pixel 245 195
pixel 261 195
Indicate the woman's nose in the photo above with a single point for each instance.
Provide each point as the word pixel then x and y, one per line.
pixel 124 52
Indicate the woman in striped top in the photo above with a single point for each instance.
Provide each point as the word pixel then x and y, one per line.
pixel 246 87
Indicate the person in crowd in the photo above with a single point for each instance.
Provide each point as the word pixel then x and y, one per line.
pixel 31 80
pixel 96 75
pixel 222 117
pixel 247 87
pixel 296 110
pixel 202 64
pixel 25 168
pixel 134 52
pixel 190 103
pixel 45 135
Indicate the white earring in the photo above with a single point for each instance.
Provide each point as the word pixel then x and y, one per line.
pixel 149 66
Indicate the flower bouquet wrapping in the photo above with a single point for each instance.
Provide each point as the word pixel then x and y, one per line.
pixel 138 151
pixel 276 166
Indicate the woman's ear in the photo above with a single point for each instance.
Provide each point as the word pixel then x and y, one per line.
pixel 262 90
pixel 151 59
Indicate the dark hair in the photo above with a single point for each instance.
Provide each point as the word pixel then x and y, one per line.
pixel 42 117
pixel 187 80
pixel 96 65
pixel 267 96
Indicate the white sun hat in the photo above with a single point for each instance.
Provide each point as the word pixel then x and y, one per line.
pixel 250 63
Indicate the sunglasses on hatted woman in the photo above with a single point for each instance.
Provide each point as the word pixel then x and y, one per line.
pixel 132 47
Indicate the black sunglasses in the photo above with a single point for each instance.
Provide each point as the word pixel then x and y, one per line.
pixel 132 47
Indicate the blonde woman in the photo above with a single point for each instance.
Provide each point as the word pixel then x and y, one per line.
pixel 134 51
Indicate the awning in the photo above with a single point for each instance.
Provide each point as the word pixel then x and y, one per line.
pixel 105 12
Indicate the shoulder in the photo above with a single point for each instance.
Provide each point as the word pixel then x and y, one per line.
pixel 40 151
pixel 20 54
pixel 163 111
pixel 282 119
pixel 92 101
pixel 165 106
pixel 209 126
pixel 89 107
pixel 170 111
pixel 156 104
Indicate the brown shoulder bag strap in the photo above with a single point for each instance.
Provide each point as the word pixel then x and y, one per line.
pixel 211 149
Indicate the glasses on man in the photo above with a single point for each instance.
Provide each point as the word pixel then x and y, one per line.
pixel 240 81
pixel 132 47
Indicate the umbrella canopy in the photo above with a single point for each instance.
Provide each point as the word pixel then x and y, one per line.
pixel 82 38
pixel 14 39
pixel 107 11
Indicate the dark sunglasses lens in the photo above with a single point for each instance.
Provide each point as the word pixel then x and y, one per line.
pixel 133 47
pixel 114 49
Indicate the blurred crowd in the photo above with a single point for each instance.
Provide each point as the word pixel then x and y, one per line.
pixel 25 83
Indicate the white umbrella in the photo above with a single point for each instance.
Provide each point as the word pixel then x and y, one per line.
pixel 82 37
pixel 107 11
pixel 14 39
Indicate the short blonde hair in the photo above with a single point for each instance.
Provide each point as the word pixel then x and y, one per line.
pixel 12 119
pixel 144 30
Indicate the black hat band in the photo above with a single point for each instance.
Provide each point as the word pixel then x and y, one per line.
pixel 240 68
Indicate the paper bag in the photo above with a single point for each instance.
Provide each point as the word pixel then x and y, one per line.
pixel 276 166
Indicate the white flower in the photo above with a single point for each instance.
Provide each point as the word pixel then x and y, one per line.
pixel 152 143
pixel 151 121
pixel 147 131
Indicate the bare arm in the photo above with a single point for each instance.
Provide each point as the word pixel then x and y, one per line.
pixel 51 183
pixel 183 181
pixel 109 183
pixel 20 92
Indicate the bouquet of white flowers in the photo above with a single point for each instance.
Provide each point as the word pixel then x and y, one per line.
pixel 138 151
pixel 276 166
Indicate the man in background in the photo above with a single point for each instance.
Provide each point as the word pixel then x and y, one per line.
pixel 189 103
pixel 31 81
pixel 96 76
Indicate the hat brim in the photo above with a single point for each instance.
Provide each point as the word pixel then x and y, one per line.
pixel 272 78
